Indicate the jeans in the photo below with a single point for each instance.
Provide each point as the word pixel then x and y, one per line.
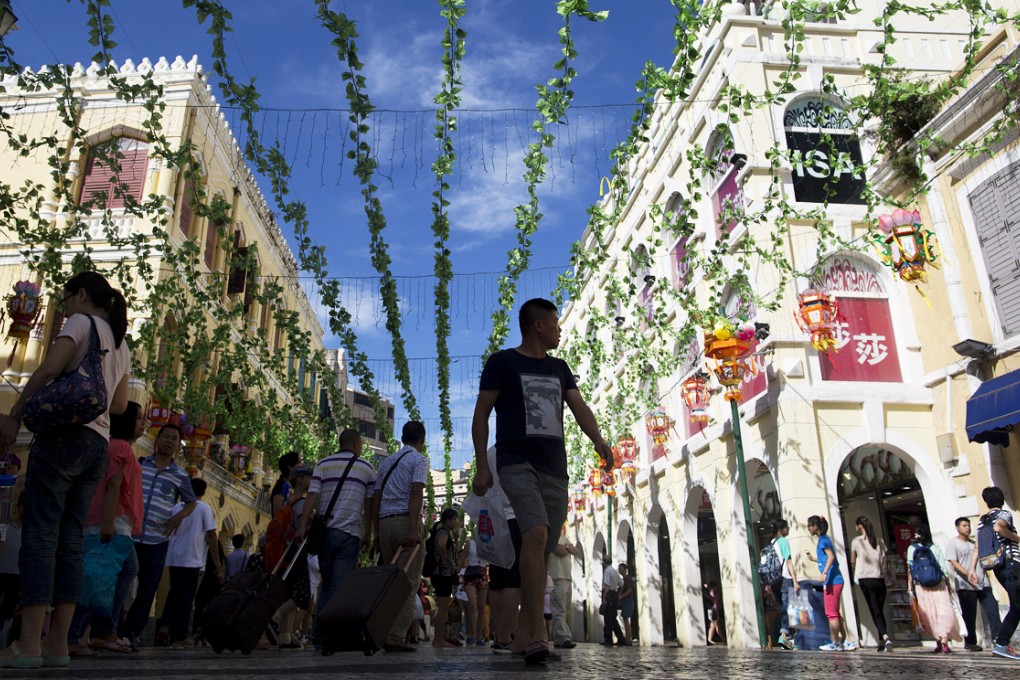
pixel 785 600
pixel 64 470
pixel 611 622
pixel 338 556
pixel 151 559
pixel 103 624
pixel 968 607
pixel 874 595
pixel 180 601
pixel 1009 577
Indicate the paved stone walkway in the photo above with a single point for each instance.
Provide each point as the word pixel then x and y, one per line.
pixel 586 662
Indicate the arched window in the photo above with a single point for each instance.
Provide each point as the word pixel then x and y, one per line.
pixel 104 188
pixel 676 216
pixel 864 334
pixel 727 195
pixel 825 152
pixel 646 280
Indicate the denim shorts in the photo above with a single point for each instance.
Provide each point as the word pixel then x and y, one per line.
pixel 64 469
pixel 537 498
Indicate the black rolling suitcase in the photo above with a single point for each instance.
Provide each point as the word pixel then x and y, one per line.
pixel 364 608
pixel 238 616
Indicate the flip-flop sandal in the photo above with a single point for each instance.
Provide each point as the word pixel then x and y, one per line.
pixel 536 653
pixel 110 646
pixel 19 662
pixel 80 650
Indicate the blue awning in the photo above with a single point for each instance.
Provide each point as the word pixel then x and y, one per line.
pixel 993 410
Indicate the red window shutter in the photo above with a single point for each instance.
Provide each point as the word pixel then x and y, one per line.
pixel 133 168
pixel 211 241
pixel 96 181
pixel 187 197
pixel 99 177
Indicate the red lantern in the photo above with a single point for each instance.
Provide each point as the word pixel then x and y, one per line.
pixel 697 395
pixel 158 415
pixel 194 459
pixel 580 501
pixel 625 458
pixel 609 483
pixel 204 428
pixel 730 362
pixel 816 314
pixel 595 480
pixel 24 308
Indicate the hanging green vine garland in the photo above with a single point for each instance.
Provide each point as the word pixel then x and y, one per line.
pixel 448 100
pixel 554 100
pixel 365 167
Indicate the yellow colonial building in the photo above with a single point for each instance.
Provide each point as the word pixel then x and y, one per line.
pixel 875 429
pixel 238 483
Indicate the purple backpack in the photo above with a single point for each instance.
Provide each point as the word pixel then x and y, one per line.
pixel 73 398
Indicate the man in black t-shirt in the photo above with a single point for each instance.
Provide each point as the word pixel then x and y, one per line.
pixel 528 388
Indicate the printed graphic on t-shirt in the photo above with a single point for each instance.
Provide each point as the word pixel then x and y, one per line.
pixel 543 403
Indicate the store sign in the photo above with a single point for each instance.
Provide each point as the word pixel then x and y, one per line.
pixel 728 200
pixel 865 343
pixel 826 167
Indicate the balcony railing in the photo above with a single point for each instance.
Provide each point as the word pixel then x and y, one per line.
pixel 243 492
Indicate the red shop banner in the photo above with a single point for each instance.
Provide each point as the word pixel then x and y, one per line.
pixel 865 343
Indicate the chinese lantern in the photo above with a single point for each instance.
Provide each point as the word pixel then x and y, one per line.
pixel 609 483
pixel 23 307
pixel 240 455
pixel 659 424
pixel 626 458
pixel 816 314
pixel 906 246
pixel 595 480
pixel 158 415
pixel 580 501
pixel 204 428
pixel 697 394
pixel 194 456
pixel 729 356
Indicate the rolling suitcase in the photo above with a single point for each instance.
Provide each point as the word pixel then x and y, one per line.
pixel 238 616
pixel 364 608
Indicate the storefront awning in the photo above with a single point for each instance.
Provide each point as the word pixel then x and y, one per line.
pixel 993 409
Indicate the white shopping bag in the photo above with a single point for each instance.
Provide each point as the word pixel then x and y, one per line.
pixel 492 532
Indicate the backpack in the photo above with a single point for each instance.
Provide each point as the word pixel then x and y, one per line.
pixel 991 551
pixel 770 566
pixel 430 564
pixel 924 568
pixel 279 533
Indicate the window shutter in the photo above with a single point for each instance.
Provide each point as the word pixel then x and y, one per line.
pixel 96 181
pixel 995 205
pixel 212 238
pixel 99 177
pixel 187 198
pixel 681 268
pixel 238 274
pixel 264 321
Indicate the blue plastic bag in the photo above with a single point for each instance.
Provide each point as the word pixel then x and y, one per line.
pixel 103 562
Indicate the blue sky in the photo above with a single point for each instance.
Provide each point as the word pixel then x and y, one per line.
pixel 511 46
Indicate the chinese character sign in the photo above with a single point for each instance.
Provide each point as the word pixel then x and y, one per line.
pixel 865 343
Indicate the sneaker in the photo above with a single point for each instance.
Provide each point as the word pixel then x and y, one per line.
pixel 1006 651
pixel 831 647
pixel 850 646
pixel 500 647
pixel 784 641
pixel 470 642
pixel 974 648
pixel 888 645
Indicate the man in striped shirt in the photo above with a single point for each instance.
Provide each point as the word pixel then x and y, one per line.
pixel 163 485
pixel 349 526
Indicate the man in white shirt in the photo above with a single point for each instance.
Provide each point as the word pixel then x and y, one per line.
pixel 397 505
pixel 186 558
pixel 611 584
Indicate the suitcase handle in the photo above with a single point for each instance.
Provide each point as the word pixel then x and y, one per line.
pixel 414 551
pixel 293 559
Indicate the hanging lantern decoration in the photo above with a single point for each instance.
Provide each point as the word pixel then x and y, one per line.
pixel 697 394
pixel 194 459
pixel 24 308
pixel 158 415
pixel 906 246
pixel 609 483
pixel 625 458
pixel 595 480
pixel 729 357
pixel 240 456
pixel 817 313
pixel 580 500
pixel 204 428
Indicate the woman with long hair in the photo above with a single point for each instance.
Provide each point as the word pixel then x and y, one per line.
pixel 832 584
pixel 935 600
pixel 867 562
pixel 64 468
pixel 282 488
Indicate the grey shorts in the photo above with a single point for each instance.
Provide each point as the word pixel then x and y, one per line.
pixel 537 498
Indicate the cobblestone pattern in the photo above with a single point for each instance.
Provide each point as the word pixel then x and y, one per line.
pixel 584 662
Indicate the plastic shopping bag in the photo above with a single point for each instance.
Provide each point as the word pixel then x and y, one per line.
pixel 492 531
pixel 799 614
pixel 103 562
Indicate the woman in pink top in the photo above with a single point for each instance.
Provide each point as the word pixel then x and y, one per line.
pixel 115 514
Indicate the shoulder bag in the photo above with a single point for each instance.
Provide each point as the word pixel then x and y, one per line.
pixel 76 397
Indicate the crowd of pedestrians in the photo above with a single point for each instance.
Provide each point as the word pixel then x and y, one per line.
pixel 87 497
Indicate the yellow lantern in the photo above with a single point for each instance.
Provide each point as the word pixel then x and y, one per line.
pixel 816 314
